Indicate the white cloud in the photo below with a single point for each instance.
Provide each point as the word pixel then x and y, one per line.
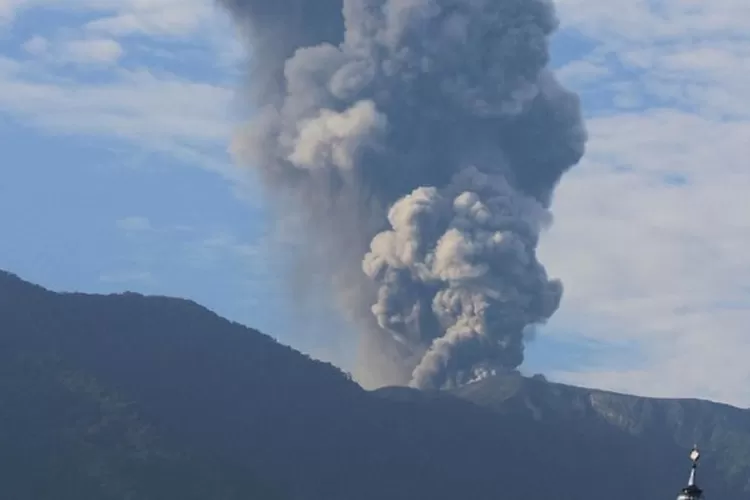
pixel 652 230
pixel 646 21
pixel 156 17
pixel 153 109
pixel 92 51
pixel 84 51
pixel 581 72
pixel 160 112
pixel 78 51
pixel 36 45
pixel 127 17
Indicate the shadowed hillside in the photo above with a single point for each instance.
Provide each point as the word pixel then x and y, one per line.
pixel 125 396
pixel 723 431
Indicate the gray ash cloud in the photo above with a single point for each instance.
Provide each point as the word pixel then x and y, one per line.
pixel 421 142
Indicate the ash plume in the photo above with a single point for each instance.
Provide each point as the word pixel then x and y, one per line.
pixel 420 142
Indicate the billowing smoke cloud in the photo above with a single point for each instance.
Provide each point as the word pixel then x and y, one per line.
pixel 421 140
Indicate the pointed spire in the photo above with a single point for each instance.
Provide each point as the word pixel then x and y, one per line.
pixel 692 492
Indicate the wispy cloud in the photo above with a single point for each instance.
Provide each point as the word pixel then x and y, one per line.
pixel 159 112
pixel 154 17
pixel 36 45
pixel 93 51
pixel 197 248
pixel 179 112
pixel 77 51
pixel 653 228
pixel 222 246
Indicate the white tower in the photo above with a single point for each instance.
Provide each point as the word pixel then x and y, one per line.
pixel 691 491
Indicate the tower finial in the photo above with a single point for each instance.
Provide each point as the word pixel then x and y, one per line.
pixel 692 492
pixel 695 454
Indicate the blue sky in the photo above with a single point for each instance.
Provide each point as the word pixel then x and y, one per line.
pixel 115 124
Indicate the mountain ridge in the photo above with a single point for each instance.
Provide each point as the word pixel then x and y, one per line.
pixel 221 393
